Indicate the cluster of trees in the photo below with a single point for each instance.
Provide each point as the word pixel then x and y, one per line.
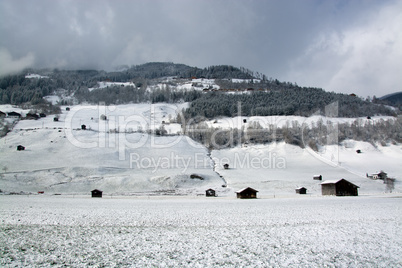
pixel 294 101
pixel 17 89
pixel 122 95
pixel 319 134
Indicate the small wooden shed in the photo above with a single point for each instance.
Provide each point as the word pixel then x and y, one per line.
pixel 83 127
pixel 96 193
pixel 317 177
pixel 20 148
pixel 301 190
pixel 226 166
pixel 247 193
pixel 210 192
pixel 340 187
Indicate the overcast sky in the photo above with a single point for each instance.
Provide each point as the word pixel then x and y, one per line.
pixel 339 45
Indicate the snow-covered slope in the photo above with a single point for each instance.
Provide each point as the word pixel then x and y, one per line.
pixel 279 168
pixel 119 156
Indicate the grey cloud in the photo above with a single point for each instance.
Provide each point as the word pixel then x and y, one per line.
pixel 277 38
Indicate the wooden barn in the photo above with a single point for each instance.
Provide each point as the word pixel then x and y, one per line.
pixel 32 116
pixel 317 177
pixel 340 187
pixel 301 190
pixel 247 193
pixel 14 115
pixel 96 193
pixel 210 192
pixel 20 148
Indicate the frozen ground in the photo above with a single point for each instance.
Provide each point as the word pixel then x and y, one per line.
pixel 118 156
pixel 78 231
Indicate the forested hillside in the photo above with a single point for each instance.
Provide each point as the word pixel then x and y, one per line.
pixel 295 101
pixel 264 96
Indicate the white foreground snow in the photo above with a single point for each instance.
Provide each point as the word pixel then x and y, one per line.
pixel 79 231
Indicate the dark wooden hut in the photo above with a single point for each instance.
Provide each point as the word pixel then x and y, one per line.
pixel 210 192
pixel 340 187
pixel 83 127
pixel 226 166
pixel 317 177
pixel 301 190
pixel 20 148
pixel 32 116
pixel 96 193
pixel 247 193
pixel 14 114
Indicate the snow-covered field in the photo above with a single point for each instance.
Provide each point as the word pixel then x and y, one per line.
pixel 79 231
pixel 118 156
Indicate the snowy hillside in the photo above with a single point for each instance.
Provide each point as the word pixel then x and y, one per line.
pixel 120 155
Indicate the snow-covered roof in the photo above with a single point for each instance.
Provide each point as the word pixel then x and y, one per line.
pixel 331 181
pixel 336 181
pixel 242 190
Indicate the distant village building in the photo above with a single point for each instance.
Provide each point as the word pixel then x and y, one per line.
pixel 210 192
pixel 301 190
pixel 226 166
pixel 32 116
pixel 96 193
pixel 247 193
pixel 14 115
pixel 317 177
pixel 20 148
pixel 378 176
pixel 83 127
pixel 340 187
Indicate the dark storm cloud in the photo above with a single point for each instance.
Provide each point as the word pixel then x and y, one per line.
pixel 331 44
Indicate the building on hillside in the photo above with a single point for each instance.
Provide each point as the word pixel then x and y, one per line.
pixel 317 177
pixel 14 115
pixel 210 192
pixel 20 148
pixel 378 176
pixel 96 193
pixel 340 187
pixel 32 116
pixel 247 193
pixel 301 190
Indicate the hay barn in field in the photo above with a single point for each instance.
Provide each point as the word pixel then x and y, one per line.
pixel 340 187
pixel 247 193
